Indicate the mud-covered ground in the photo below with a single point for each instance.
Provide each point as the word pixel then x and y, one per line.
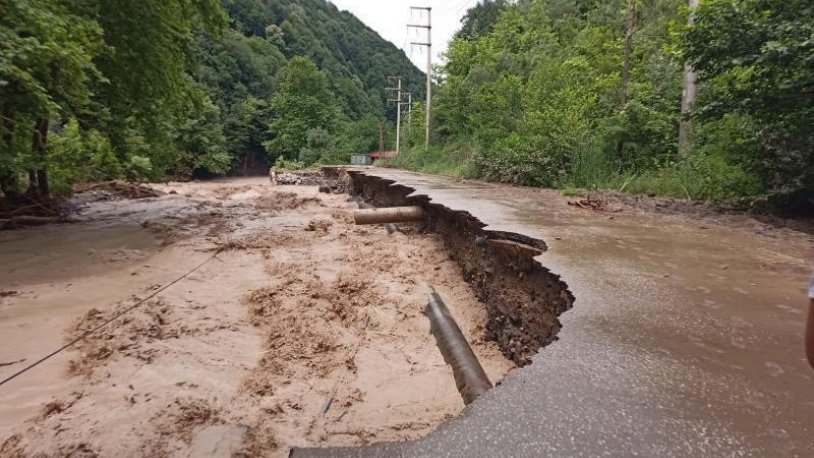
pixel 300 329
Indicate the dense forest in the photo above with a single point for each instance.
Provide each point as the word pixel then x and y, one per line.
pixel 103 89
pixel 588 93
pixel 711 102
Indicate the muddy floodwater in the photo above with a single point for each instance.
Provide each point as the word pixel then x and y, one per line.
pixel 619 329
pixel 300 330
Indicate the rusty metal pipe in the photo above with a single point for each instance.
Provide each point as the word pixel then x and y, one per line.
pixel 470 378
pixel 388 215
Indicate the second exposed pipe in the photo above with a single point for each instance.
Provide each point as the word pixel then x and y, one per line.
pixel 470 378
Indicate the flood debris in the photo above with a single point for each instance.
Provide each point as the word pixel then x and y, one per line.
pixel 284 200
pixel 330 180
pixel 120 189
pixel 24 210
pixel 590 203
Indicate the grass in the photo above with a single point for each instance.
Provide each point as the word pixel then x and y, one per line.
pixel 698 177
pixel 436 161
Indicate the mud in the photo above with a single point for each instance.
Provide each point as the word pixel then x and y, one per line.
pixel 755 218
pixel 304 330
pixel 523 299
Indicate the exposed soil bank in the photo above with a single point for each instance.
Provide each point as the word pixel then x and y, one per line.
pixel 523 298
pixel 305 330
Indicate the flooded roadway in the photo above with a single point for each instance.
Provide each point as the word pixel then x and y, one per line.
pixel 685 338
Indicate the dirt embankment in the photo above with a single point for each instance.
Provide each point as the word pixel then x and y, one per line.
pixel 305 330
pixel 523 299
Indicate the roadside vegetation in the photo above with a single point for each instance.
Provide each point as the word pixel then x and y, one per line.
pixel 535 92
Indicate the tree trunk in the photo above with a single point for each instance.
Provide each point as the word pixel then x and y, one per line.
pixel 629 31
pixel 32 182
pixel 39 142
pixel 42 180
pixel 8 177
pixel 687 97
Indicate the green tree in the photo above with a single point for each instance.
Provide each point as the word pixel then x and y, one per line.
pixel 201 139
pixel 46 53
pixel 755 59
pixel 319 145
pixel 148 67
pixel 481 19
pixel 303 103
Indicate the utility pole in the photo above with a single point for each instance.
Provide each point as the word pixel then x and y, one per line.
pixel 409 112
pixel 428 44
pixel 687 96
pixel 397 89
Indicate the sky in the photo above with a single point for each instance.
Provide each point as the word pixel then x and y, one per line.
pixel 390 18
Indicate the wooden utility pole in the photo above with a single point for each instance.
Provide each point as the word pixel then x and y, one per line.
pixel 687 96
pixel 428 44
pixel 397 100
pixel 409 112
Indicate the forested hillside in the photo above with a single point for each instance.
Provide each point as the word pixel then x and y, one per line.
pixel 588 93
pixel 101 89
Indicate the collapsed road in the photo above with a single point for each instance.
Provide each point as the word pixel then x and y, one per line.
pixel 685 338
pixel 306 332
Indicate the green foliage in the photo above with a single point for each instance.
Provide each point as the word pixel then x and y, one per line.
pixel 755 60
pixel 535 88
pixel 355 137
pixel 531 93
pixel 143 89
pixel 357 59
pixel 77 155
pixel 138 167
pixel 319 145
pixel 288 165
pixel 46 53
pixel 481 20
pixel 538 91
pixel 437 160
pixel 201 138
pixel 302 104
pixel 701 177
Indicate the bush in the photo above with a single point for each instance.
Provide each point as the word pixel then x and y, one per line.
pixel 286 164
pixel 75 155
pixel 456 162
pixel 139 167
pixel 319 145
pixel 216 162
pixel 702 177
